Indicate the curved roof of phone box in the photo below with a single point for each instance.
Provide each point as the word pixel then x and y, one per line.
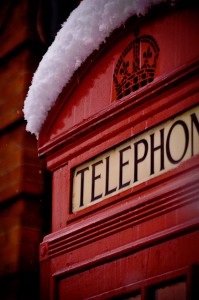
pixel 84 31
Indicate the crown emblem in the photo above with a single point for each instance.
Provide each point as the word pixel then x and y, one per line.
pixel 136 66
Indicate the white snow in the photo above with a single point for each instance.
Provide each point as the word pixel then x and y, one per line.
pixel 86 28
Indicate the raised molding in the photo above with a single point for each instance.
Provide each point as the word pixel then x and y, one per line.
pixel 122 107
pixel 125 250
pixel 165 198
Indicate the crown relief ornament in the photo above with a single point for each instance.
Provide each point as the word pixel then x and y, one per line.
pixel 136 66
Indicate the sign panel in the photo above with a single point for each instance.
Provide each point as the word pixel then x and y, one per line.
pixel 136 160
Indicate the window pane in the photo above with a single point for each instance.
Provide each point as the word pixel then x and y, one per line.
pixel 172 292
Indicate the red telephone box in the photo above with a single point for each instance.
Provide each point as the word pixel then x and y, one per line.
pixel 122 143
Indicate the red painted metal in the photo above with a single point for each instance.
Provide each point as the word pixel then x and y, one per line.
pixel 142 243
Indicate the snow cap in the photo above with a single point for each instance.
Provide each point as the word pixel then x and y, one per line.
pixel 85 29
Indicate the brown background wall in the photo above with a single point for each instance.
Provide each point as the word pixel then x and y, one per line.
pixel 26 29
pixel 21 172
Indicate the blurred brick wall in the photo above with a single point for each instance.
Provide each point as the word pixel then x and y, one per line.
pixel 22 184
pixel 26 30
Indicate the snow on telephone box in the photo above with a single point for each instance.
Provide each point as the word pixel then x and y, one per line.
pixel 122 143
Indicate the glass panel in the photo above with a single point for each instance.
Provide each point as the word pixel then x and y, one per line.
pixel 174 291
pixel 138 297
